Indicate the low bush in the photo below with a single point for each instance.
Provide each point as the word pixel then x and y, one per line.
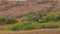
pixel 33 18
pixel 32 26
pixel 49 25
pixel 10 20
pixel 2 19
pixel 53 16
pixel 27 25
pixel 7 20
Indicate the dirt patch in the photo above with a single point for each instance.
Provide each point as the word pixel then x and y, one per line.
pixel 43 31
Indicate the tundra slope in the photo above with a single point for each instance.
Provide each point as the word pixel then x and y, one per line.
pixel 27 7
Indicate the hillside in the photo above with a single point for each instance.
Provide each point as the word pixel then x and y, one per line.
pixel 41 13
pixel 25 7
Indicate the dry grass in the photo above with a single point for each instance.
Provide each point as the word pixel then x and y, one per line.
pixel 43 31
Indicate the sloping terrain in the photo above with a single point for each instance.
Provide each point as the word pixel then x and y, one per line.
pixel 22 8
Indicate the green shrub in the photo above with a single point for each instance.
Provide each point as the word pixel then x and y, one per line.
pixel 10 20
pixel 27 25
pixel 49 25
pixel 53 16
pixel 2 18
pixel 7 20
pixel 33 18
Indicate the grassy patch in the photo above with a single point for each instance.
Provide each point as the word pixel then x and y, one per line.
pixel 53 16
pixel 7 20
pixel 33 26
pixel 27 25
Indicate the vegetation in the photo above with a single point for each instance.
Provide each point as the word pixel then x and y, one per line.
pixel 53 16
pixel 33 26
pixel 27 25
pixel 48 17
pixel 7 20
pixel 49 25
pixel 33 18
pixel 32 22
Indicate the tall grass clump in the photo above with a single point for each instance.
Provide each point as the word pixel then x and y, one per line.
pixel 7 20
